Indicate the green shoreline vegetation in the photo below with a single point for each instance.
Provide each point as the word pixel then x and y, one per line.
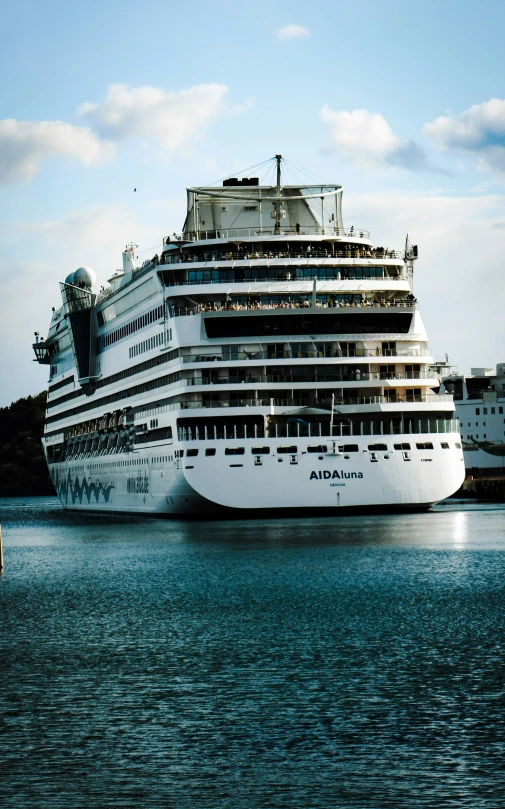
pixel 23 469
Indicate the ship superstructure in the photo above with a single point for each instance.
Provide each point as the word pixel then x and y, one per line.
pixel 267 358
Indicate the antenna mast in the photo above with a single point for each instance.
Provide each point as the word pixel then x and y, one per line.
pixel 277 229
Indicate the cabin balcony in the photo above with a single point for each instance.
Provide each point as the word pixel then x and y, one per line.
pixel 280 351
pixel 416 399
pixel 359 302
pixel 356 376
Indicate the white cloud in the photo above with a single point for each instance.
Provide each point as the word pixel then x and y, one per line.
pixel 367 139
pixel 171 119
pixel 23 144
pixel 479 131
pixel 292 31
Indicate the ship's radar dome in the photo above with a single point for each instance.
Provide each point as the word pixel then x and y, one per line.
pixel 70 278
pixel 84 275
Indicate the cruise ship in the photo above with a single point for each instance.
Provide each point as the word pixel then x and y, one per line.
pixel 268 359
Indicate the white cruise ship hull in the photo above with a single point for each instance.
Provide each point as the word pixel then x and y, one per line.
pixel 205 485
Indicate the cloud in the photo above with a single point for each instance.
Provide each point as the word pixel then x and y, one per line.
pixel 367 139
pixel 23 144
pixel 479 131
pixel 171 119
pixel 292 31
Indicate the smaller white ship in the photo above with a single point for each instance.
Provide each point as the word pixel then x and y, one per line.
pixel 480 407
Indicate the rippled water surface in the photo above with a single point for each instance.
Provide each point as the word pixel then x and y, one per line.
pixel 352 662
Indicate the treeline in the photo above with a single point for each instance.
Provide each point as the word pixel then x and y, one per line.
pixel 23 468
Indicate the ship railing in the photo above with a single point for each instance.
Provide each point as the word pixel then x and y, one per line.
pixel 299 428
pixel 329 353
pixel 176 311
pixel 277 277
pixel 408 397
pixel 356 376
pixel 247 233
pixel 186 257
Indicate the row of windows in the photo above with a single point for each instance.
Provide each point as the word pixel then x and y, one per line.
pixel 130 328
pixel 270 274
pixel 112 465
pixel 147 345
pixel 476 436
pixel 318 448
pixel 133 462
pixel 483 423
pixel 484 411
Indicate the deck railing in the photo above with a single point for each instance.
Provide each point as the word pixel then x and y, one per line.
pixel 240 356
pixel 402 303
pixel 307 401
pixel 300 230
pixel 185 257
pixel 357 376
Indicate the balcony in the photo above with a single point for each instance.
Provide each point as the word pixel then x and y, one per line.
pixel 354 377
pixel 244 356
pixel 297 253
pixel 410 397
pixel 377 303
pixel 44 351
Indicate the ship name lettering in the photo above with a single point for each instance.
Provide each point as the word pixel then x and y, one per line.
pixel 327 475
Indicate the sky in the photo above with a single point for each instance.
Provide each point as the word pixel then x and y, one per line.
pixel 401 102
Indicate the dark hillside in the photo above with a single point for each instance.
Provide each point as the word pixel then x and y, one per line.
pixel 23 469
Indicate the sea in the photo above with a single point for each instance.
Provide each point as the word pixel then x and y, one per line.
pixel 347 661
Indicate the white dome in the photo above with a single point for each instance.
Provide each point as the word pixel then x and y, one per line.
pixel 70 278
pixel 85 275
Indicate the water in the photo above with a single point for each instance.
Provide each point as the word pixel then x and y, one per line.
pixel 352 662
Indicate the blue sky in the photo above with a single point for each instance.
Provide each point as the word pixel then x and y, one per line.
pixel 401 102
